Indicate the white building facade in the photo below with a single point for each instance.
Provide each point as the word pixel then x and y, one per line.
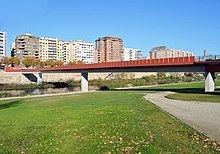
pixel 66 51
pixel 132 54
pixel 2 44
pixel 84 51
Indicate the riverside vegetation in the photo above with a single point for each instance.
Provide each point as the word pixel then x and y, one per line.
pixel 117 81
pixel 121 80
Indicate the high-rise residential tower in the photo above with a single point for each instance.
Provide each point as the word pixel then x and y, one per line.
pixel 26 45
pixel 84 51
pixel 132 54
pixel 69 51
pixel 164 52
pixel 48 48
pixel 2 44
pixel 109 49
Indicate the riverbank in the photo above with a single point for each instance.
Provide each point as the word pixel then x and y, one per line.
pixel 10 90
pixel 46 95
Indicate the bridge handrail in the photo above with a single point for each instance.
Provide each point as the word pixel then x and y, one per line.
pixel 207 58
pixel 117 64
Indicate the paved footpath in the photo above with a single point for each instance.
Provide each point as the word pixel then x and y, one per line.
pixel 203 116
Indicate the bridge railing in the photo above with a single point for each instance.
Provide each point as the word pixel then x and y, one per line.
pixel 119 64
pixel 207 58
pixel 133 63
pixel 21 69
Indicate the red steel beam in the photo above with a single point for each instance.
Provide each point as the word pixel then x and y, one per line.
pixel 108 65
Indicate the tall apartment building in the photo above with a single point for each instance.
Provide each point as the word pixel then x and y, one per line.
pixel 164 52
pixel 69 51
pixel 78 51
pixel 84 51
pixel 132 54
pixel 26 45
pixel 60 54
pixel 2 44
pixel 46 48
pixel 109 49
pixel 49 48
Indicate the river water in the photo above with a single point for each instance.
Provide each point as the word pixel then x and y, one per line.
pixel 26 92
pixel 14 93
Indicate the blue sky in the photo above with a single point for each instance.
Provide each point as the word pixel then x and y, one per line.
pixel 181 24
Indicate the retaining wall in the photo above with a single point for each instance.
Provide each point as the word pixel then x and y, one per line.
pixel 18 78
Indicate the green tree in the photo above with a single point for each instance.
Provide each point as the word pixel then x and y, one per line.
pixel 58 63
pixel 15 61
pixel 6 61
pixel 49 62
pixel 28 61
pixel 161 75
pixel 53 63
pixel 71 63
pixel 37 63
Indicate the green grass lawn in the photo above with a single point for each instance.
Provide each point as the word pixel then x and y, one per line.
pixel 100 122
pixel 195 97
pixel 192 92
pixel 190 86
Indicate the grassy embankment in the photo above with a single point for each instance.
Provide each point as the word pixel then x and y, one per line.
pixel 190 92
pixel 98 122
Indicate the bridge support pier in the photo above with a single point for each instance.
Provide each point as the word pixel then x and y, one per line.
pixel 84 82
pixel 34 77
pixel 39 78
pixel 209 82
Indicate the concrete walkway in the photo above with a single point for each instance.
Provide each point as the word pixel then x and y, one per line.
pixel 203 116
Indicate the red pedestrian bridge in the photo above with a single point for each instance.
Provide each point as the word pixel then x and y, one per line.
pixel 179 64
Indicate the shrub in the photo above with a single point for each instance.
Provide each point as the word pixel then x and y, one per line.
pixel 73 83
pixel 104 88
pixel 5 94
